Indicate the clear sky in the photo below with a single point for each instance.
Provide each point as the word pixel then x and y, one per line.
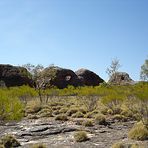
pixel 75 33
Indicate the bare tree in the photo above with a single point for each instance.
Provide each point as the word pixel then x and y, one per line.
pixel 35 71
pixel 113 68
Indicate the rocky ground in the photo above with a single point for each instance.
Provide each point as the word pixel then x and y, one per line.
pixel 55 134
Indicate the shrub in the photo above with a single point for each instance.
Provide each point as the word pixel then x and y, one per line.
pixel 119 145
pixel 80 136
pixel 78 115
pixel 56 112
pixel 91 114
pixel 63 110
pixel 61 117
pixel 100 119
pixel 119 117
pixel 71 111
pixel 33 107
pixel 87 123
pixel 10 107
pixel 39 146
pixel 138 132
pixel 9 141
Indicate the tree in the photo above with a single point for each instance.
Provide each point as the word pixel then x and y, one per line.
pixel 144 71
pixel 35 71
pixel 113 68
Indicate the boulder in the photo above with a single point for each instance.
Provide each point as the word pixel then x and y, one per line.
pixel 88 77
pixel 121 78
pixel 14 76
pixel 59 77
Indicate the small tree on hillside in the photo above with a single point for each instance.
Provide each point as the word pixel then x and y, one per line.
pixel 144 71
pixel 113 68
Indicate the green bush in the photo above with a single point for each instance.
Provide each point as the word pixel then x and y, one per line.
pixel 138 132
pixel 10 108
pixel 80 136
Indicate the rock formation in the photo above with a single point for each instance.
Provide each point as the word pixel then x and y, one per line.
pixel 88 77
pixel 121 78
pixel 14 76
pixel 59 77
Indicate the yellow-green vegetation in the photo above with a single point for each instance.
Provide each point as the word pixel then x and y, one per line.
pixel 120 117
pixel 33 106
pixel 80 136
pixel 88 123
pixel 40 145
pixel 72 111
pixel 120 102
pixel 9 141
pixel 100 119
pixel 126 145
pixel 119 145
pixel 138 132
pixel 61 117
pixel 11 108
pixel 78 115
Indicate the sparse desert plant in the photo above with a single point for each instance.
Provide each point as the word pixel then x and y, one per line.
pixel 63 110
pixel 89 102
pixel 87 123
pixel 100 119
pixel 40 145
pixel 78 115
pixel 71 111
pixel 33 107
pixel 80 136
pixel 138 132
pixel 91 114
pixel 119 145
pixel 9 141
pixel 61 117
pixel 119 117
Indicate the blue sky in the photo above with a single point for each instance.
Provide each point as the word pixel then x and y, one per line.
pixel 75 33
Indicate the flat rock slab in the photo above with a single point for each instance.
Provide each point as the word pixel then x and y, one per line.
pixel 55 134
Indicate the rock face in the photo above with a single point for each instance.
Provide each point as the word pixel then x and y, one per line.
pixel 14 76
pixel 121 78
pixel 88 77
pixel 59 77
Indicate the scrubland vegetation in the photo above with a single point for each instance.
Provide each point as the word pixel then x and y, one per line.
pixel 94 105
pixel 119 102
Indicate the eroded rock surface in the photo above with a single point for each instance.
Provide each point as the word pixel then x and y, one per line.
pixel 55 134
